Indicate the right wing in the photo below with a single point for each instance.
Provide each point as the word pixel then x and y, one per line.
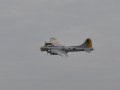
pixel 60 52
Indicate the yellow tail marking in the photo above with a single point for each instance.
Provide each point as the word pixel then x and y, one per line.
pixel 89 43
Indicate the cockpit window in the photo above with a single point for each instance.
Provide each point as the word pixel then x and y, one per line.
pixel 46 44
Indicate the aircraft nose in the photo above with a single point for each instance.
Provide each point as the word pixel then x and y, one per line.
pixel 43 49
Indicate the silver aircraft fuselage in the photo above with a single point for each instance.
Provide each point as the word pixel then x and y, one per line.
pixel 65 48
pixel 54 48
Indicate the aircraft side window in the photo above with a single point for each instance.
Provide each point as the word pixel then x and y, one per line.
pixel 74 49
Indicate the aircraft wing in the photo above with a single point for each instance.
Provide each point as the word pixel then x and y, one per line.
pixel 60 52
pixel 54 41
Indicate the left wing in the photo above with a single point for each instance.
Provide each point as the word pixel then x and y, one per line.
pixel 54 41
pixel 60 52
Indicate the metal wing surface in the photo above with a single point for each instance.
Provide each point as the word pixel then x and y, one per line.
pixel 55 42
pixel 60 52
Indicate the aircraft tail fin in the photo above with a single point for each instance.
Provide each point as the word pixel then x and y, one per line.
pixel 87 43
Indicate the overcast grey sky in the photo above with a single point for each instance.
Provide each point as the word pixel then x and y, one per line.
pixel 26 24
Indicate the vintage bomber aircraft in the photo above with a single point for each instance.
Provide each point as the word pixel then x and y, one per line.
pixel 54 48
